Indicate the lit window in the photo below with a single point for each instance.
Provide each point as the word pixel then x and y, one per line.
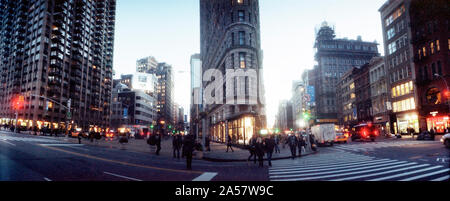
pixel 438 46
pixel 242 59
pixel 240 1
pixel 424 51
pixel 394 94
pixel 432 47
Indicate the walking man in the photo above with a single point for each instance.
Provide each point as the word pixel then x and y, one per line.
pixel 277 141
pixel 188 148
pixel 252 149
pixel 292 141
pixel 270 145
pixel 301 143
pixel 176 145
pixel 158 143
pixel 259 147
pixel 229 143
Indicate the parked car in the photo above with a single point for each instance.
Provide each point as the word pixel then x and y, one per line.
pixel 76 132
pixel 425 136
pixel 446 140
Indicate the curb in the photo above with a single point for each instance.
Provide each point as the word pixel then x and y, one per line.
pixel 245 160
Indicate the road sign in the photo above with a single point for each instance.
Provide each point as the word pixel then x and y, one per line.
pixel 125 113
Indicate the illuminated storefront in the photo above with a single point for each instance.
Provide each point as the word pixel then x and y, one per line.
pixel 241 130
pixel 439 123
pixel 405 121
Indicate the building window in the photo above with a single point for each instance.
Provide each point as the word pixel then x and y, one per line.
pixel 241 38
pixel 432 47
pixel 240 1
pixel 439 68
pixel 241 16
pixel 242 59
pixel 232 38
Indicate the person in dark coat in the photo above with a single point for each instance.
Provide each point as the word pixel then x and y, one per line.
pixel 188 148
pixel 158 143
pixel 176 145
pixel 229 143
pixel 269 145
pixel 207 143
pixel 259 149
pixel 292 141
pixel 252 149
pixel 301 143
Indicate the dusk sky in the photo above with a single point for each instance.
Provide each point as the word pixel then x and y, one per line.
pixel 169 30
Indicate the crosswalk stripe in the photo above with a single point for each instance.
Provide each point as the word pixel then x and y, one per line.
pixel 340 171
pixel 442 178
pixel 404 174
pixel 426 175
pixel 310 164
pixel 345 174
pixel 380 173
pixel 339 166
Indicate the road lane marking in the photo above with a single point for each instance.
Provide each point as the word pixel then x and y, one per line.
pixel 345 174
pixel 406 173
pixel 4 140
pixel 426 175
pixel 121 162
pixel 47 179
pixel 442 178
pixel 332 165
pixel 62 145
pixel 338 170
pixel 381 173
pixel 121 176
pixel 207 176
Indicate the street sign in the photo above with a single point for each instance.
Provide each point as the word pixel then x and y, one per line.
pixel 125 113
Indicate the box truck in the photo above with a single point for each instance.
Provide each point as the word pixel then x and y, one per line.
pixel 325 134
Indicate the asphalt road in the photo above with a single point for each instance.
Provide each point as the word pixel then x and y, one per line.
pixel 36 158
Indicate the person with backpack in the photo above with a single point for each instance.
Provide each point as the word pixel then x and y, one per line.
pixel 269 145
pixel 292 141
pixel 176 145
pixel 252 149
pixel 188 148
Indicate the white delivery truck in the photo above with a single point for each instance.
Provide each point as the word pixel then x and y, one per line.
pixel 325 134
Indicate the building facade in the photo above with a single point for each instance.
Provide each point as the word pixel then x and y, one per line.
pixel 230 40
pixel 298 104
pixel 196 97
pixel 363 95
pixel 147 65
pixel 379 93
pixel 335 57
pixel 346 93
pixel 430 40
pixel 56 51
pixel 400 65
pixel 284 121
pixel 165 86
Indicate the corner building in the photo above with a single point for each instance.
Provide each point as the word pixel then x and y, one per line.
pixel 58 50
pixel 230 39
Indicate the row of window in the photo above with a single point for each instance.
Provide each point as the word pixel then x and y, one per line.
pixel 394 30
pixel 396 14
pixel 404 105
pixel 402 89
pixel 433 47
pixel 398 44
pixel 436 68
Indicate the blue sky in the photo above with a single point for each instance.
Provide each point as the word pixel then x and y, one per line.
pixel 169 30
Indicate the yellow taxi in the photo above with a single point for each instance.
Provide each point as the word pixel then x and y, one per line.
pixel 342 136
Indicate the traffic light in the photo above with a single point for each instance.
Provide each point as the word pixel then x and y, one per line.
pixel 151 126
pixel 306 116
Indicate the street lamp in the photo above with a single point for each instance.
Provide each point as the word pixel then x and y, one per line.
pixel 447 92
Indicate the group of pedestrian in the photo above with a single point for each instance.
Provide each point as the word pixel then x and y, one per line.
pixel 296 142
pixel 259 146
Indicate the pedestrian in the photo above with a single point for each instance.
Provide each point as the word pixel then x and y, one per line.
pixel 207 143
pixel 292 141
pixel 269 145
pixel 259 149
pixel 35 129
pixel 158 143
pixel 277 141
pixel 252 149
pixel 229 143
pixel 300 145
pixel 312 141
pixel 188 148
pixel 176 145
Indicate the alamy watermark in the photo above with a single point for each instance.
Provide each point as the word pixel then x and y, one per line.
pixel 240 87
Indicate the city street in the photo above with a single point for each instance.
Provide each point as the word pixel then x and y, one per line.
pixel 25 157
